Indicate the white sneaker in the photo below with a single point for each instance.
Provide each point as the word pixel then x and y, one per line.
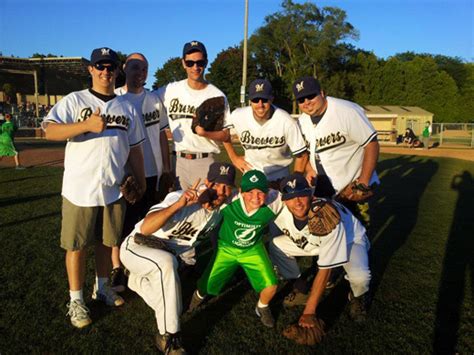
pixel 108 296
pixel 79 314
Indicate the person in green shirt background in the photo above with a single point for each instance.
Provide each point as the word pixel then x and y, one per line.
pixel 426 135
pixel 7 147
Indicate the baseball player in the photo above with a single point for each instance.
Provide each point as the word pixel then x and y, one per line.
pixel 179 221
pixel 346 245
pixel 103 134
pixel 342 142
pixel 269 136
pixel 240 243
pixel 194 152
pixel 155 149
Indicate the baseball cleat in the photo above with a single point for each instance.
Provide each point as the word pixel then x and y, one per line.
pixel 108 296
pixel 196 301
pixel 358 307
pixel 295 298
pixel 265 315
pixel 118 280
pixel 79 314
pixel 169 344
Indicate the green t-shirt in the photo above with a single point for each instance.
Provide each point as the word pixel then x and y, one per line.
pixel 426 132
pixel 243 230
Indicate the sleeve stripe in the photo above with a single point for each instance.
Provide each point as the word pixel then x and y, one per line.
pixel 165 127
pixel 367 141
pixel 299 151
pixel 230 125
pixel 140 142
pixel 333 265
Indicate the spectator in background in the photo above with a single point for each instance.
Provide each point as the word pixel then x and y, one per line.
pixel 7 147
pixel 427 131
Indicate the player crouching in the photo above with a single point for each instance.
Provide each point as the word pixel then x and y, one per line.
pixel 338 242
pixel 240 244
pixel 171 230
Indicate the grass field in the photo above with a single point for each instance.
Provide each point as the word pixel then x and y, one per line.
pixel 422 262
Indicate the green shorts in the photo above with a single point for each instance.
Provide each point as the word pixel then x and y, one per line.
pixel 221 268
pixel 84 225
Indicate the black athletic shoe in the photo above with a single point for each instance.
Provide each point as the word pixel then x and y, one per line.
pixel 358 307
pixel 118 280
pixel 169 344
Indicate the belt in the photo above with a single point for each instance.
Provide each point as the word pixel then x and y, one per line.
pixel 192 155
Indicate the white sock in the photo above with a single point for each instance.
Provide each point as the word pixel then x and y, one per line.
pixel 261 305
pixel 199 295
pixel 100 282
pixel 76 295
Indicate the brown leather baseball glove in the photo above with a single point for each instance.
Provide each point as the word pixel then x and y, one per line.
pixel 306 336
pixel 210 114
pixel 131 189
pixel 356 192
pixel 323 217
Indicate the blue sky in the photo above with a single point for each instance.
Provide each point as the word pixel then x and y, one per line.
pixel 159 28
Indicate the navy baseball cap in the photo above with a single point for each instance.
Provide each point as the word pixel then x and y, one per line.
pixel 294 185
pixel 194 46
pixel 221 173
pixel 260 89
pixel 104 54
pixel 254 179
pixel 306 86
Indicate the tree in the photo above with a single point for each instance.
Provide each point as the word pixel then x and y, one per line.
pixel 10 92
pixel 172 71
pixel 300 40
pixel 226 73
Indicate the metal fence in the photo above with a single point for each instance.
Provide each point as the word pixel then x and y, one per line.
pixel 448 134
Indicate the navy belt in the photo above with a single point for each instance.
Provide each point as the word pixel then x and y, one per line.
pixel 192 155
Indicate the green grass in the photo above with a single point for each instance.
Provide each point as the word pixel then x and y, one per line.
pixel 422 263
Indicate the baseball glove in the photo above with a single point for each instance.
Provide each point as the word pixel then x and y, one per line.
pixel 166 184
pixel 151 242
pixel 323 217
pixel 306 336
pixel 210 114
pixel 131 189
pixel 356 192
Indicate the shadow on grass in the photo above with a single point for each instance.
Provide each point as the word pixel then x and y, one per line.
pixel 403 181
pixel 458 259
pixel 31 219
pixel 6 202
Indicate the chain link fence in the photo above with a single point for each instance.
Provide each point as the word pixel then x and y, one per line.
pixel 447 134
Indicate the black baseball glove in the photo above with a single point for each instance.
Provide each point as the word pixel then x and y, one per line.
pixel 210 114
pixel 151 242
pixel 306 336
pixel 131 189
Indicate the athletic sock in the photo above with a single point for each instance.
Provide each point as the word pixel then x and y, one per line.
pixel 199 295
pixel 76 295
pixel 261 305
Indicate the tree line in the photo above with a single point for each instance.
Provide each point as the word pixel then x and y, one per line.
pixel 303 39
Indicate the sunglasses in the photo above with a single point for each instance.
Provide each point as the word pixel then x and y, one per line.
pixel 301 100
pixel 258 99
pixel 200 63
pixel 109 67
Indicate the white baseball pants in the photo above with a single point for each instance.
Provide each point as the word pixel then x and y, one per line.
pixel 154 276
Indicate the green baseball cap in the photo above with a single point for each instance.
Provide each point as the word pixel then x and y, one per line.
pixel 254 179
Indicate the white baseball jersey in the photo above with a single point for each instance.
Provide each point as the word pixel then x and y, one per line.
pixel 182 230
pixel 334 248
pixel 181 103
pixel 339 140
pixel 269 147
pixel 94 162
pixel 154 120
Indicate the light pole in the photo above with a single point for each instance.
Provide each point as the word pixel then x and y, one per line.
pixel 244 62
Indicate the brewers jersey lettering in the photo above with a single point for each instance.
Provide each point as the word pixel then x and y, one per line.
pixel 94 162
pixel 269 147
pixel 339 140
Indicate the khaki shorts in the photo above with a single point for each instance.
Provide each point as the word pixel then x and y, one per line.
pixel 82 226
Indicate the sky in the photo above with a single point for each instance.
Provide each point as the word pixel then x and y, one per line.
pixel 159 28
